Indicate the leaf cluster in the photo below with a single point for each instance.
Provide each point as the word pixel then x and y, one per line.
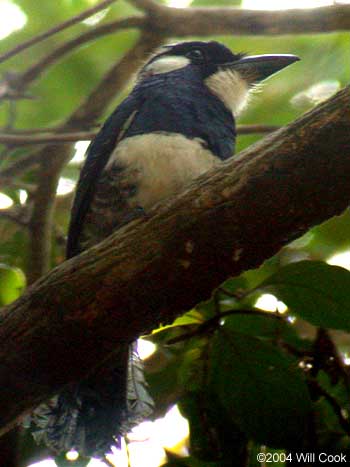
pixel 250 380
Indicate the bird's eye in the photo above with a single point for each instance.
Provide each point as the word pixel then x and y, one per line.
pixel 195 55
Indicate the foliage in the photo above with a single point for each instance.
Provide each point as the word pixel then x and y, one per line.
pixel 256 371
pixel 243 377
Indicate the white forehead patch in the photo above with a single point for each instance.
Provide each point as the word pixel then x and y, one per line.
pixel 231 88
pixel 165 64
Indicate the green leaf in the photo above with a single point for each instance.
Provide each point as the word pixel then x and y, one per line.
pixel 12 282
pixel 214 437
pixel 179 327
pixel 261 388
pixel 234 284
pixel 267 327
pixel 193 317
pixel 164 385
pixel 193 407
pixel 315 291
pixel 193 366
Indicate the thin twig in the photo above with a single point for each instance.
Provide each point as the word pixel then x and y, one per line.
pixel 36 70
pixel 18 185
pixel 327 358
pixel 11 119
pixel 213 322
pixel 17 214
pixel 56 29
pixel 92 108
pixel 18 139
pixel 19 167
pixel 343 422
pixel 30 131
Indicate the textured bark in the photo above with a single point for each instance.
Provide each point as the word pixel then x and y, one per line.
pixel 155 268
pixel 185 22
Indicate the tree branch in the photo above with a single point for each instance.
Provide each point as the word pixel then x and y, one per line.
pixel 167 22
pixel 185 22
pixel 41 221
pixel 35 71
pixel 17 214
pixel 17 139
pixel 91 109
pixel 231 219
pixel 56 29
pixel 22 137
pixel 149 6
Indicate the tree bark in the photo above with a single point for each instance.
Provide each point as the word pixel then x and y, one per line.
pixel 188 22
pixel 157 267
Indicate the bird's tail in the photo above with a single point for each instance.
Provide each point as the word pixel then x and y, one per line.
pixel 91 416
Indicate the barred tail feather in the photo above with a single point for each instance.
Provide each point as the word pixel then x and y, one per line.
pixel 91 416
pixel 139 403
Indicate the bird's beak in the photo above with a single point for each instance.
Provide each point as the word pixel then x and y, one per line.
pixel 257 68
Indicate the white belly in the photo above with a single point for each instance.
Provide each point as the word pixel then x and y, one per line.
pixel 160 164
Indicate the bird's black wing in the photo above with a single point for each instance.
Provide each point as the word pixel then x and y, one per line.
pixel 98 154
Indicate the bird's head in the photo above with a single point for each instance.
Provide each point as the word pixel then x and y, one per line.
pixel 228 75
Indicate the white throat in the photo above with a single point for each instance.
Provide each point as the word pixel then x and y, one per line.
pixel 231 88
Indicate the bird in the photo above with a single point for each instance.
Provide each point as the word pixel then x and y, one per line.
pixel 177 122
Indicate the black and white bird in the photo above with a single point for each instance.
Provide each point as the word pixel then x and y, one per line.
pixel 177 123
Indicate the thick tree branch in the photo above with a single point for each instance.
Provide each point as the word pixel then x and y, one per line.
pixel 154 268
pixel 149 6
pixel 184 22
